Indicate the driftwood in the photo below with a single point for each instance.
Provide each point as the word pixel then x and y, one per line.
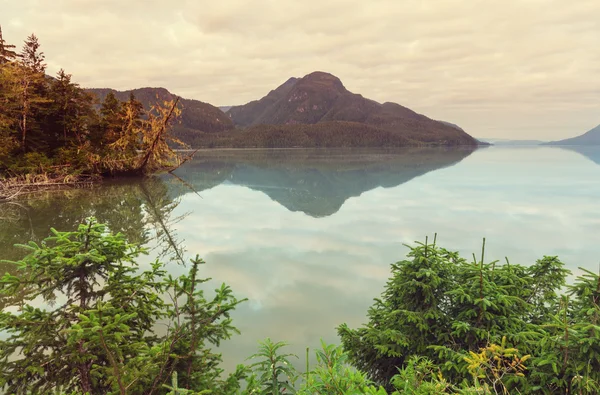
pixel 185 159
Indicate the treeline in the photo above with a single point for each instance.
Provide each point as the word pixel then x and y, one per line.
pixel 49 125
pixel 324 134
pixel 442 325
pixel 330 134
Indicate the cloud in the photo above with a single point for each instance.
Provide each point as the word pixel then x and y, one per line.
pixel 499 69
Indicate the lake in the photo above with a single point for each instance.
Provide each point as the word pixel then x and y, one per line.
pixel 308 235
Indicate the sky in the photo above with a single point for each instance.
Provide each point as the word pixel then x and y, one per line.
pixel 518 69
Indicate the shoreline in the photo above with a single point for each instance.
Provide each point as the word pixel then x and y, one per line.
pixel 14 187
pixel 18 186
pixel 408 147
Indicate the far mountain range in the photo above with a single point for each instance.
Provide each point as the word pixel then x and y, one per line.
pixel 313 111
pixel 590 138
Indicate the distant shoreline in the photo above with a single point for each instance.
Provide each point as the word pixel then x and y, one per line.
pixel 444 147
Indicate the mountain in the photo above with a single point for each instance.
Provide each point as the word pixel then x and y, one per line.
pixel 452 124
pixel 592 137
pixel 249 113
pixel 197 118
pixel 315 182
pixel 321 97
pixel 495 141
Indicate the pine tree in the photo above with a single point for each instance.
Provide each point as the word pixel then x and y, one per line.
pixel 101 338
pixel 110 127
pixel 27 86
pixel 7 53
pixel 70 113
pixel 131 122
pixel 31 55
pixel 439 306
pixel 7 116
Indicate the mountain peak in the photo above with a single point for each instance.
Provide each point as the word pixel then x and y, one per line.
pixel 321 98
pixel 322 79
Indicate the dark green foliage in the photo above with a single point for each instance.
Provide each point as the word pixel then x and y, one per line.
pixel 274 373
pixel 333 375
pixel 88 318
pixel 81 316
pixel 439 306
pixel 325 134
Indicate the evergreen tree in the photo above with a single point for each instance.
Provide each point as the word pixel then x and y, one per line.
pixel 95 332
pixel 7 53
pixel 439 306
pixel 31 56
pixel 27 95
pixel 71 112
pixel 130 119
pixel 8 119
pixel 109 128
pixel 49 125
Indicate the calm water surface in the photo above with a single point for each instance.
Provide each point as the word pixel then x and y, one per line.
pixel 308 236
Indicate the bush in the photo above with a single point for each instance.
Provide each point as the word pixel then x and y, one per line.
pixel 439 306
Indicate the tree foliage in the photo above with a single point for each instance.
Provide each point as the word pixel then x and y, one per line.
pixel 454 313
pixel 88 317
pixel 49 124
pixel 81 316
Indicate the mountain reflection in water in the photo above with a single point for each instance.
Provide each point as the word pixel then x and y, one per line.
pixel 316 182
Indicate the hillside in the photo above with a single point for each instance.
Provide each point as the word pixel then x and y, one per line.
pixel 197 117
pixel 321 97
pixel 592 137
pixel 248 113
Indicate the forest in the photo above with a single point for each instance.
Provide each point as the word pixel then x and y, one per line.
pixel 51 133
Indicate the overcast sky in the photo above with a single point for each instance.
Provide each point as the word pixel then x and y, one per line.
pixel 512 68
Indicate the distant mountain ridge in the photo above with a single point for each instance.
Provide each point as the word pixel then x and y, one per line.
pixel 196 119
pixel 510 142
pixel 321 97
pixel 591 137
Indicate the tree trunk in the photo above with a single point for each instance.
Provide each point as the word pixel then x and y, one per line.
pixel 24 115
pixel 159 134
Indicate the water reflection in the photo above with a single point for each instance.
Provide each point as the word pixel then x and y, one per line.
pixel 140 209
pixel 315 182
pixel 304 273
pixel 590 152
pixel 308 236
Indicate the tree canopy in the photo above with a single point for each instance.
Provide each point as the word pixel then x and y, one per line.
pixel 48 125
